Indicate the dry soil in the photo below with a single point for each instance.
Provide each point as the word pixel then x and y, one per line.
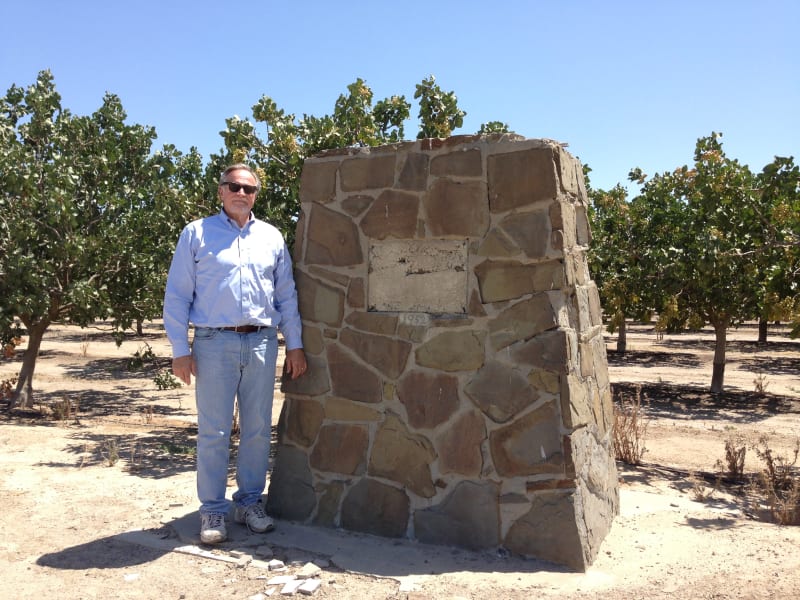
pixel 97 484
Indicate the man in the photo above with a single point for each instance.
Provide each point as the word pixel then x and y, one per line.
pixel 231 277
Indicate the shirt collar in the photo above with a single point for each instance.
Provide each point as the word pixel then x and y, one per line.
pixel 223 215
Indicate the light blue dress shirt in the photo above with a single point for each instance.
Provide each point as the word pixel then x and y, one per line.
pixel 223 276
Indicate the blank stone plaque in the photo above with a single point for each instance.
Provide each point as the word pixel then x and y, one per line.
pixel 428 276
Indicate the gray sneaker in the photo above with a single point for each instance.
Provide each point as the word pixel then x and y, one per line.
pixel 254 517
pixel 212 528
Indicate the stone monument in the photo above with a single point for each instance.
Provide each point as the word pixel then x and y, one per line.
pixel 458 388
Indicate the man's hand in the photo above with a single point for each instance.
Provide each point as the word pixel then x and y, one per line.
pixel 184 367
pixel 295 364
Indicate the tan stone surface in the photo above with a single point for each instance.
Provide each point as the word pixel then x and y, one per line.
pixel 393 214
pixel 341 448
pixel 389 356
pixel 350 379
pixel 459 446
pixel 467 163
pixel 451 378
pixel 318 181
pixel 530 445
pixel 457 208
pixel 319 301
pixel 364 173
pixel 430 398
pixel 402 457
pixel 500 391
pixel 521 178
pixel 453 351
pixel 331 239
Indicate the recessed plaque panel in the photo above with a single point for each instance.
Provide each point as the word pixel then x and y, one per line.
pixel 428 276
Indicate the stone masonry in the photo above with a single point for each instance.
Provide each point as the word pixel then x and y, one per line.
pixel 458 388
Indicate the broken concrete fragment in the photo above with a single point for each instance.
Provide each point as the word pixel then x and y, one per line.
pixel 310 586
pixel 291 587
pixel 275 564
pixel 308 570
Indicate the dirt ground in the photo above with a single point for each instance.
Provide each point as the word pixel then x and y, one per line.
pixel 94 496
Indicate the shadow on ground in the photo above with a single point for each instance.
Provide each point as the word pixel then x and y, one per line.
pixel 163 453
pixel 692 402
pixel 729 498
pixel 113 552
pixel 650 359
pixel 293 543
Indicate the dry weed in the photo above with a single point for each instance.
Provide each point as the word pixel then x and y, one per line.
pixel 110 451
pixel 630 427
pixel 135 461
pixel 147 414
pixel 7 387
pixel 779 483
pixel 735 452
pixel 760 383
pixel 64 409
pixel 10 348
pixel 701 491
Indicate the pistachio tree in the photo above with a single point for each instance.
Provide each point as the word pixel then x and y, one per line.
pixel 439 114
pixel 77 224
pixel 777 211
pixel 615 259
pixel 701 221
pixel 170 193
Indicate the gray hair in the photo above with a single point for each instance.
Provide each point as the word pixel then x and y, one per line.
pixel 240 167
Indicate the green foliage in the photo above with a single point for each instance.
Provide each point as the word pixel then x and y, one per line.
pixel 711 243
pixel 614 255
pixel 142 357
pixel 703 248
pixel 355 121
pixel 165 380
pixel 87 216
pixel 706 243
pixel 389 115
pixel 494 127
pixel 439 114
pixel 778 260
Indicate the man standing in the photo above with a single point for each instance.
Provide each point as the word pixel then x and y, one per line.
pixel 231 277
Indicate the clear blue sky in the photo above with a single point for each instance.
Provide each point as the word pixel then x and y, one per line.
pixel 624 83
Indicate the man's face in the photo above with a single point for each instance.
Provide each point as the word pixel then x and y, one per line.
pixel 237 205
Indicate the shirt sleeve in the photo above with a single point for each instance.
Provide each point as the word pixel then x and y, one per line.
pixel 286 301
pixel 179 295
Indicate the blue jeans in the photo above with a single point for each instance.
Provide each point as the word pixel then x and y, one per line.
pixel 233 365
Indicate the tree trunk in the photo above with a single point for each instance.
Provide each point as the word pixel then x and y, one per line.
pixel 718 376
pixel 139 328
pixel 23 395
pixel 622 337
pixel 762 330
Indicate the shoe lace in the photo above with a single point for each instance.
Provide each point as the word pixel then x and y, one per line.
pixel 214 520
pixel 257 510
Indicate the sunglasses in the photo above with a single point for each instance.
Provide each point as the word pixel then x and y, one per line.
pixel 235 187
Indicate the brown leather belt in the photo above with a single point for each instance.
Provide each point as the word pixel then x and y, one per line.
pixel 245 328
